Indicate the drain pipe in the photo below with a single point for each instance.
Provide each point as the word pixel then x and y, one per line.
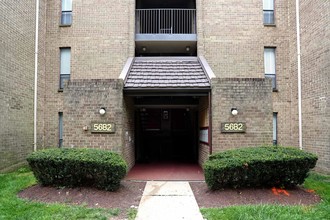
pixel 299 75
pixel 36 79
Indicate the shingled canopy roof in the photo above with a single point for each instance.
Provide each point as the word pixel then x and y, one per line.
pixel 166 74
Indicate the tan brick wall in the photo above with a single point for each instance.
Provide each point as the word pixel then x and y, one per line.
pixel 101 39
pixel 315 70
pixel 17 81
pixel 82 102
pixel 232 37
pixel 253 100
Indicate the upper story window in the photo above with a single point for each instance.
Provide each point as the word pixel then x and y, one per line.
pixel 65 65
pixel 66 16
pixel 268 8
pixel 269 64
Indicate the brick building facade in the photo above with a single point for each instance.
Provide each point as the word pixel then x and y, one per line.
pixel 234 43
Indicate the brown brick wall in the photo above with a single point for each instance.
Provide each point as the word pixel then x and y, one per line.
pixel 101 40
pixel 232 37
pixel 203 115
pixel 128 131
pixel 253 99
pixel 315 70
pixel 17 82
pixel 82 102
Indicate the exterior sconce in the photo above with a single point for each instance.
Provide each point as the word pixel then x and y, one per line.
pixel 102 111
pixel 234 111
pixel 85 128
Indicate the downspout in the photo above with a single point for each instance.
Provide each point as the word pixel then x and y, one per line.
pixel 36 78
pixel 299 75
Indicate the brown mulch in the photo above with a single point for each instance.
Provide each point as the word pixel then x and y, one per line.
pixel 128 196
pixel 229 197
pixel 130 193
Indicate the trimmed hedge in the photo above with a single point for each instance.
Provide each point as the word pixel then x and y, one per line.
pixel 78 167
pixel 258 166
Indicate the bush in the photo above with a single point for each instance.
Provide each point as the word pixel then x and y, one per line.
pixel 78 167
pixel 258 166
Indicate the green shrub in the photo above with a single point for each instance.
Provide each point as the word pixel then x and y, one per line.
pixel 258 166
pixel 78 167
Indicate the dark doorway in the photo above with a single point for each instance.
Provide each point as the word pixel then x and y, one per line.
pixel 166 134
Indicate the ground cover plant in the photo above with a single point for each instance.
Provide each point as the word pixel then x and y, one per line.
pixel 71 167
pixel 317 182
pixel 12 207
pixel 258 166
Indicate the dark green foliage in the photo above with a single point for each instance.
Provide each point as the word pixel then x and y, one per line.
pixel 258 166
pixel 78 167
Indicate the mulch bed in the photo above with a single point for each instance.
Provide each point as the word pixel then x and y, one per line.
pixel 128 196
pixel 229 197
pixel 130 193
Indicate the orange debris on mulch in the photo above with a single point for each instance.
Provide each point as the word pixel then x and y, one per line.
pixel 280 191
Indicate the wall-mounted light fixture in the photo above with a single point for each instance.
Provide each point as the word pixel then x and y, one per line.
pixel 102 111
pixel 187 48
pixel 144 49
pixel 234 111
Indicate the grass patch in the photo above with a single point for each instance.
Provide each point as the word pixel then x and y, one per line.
pixel 131 213
pixel 12 207
pixel 317 182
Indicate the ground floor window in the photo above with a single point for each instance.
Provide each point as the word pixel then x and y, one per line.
pixel 60 129
pixel 274 128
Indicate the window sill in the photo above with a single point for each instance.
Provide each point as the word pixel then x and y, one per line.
pixel 270 25
pixel 60 90
pixel 65 25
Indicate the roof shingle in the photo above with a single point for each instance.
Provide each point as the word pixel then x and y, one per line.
pixel 166 73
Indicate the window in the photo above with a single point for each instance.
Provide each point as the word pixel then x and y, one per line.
pixel 65 65
pixel 268 7
pixel 274 128
pixel 269 62
pixel 66 16
pixel 60 129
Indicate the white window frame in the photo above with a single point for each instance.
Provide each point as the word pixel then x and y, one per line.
pixel 269 12
pixel 66 12
pixel 270 65
pixel 275 122
pixel 65 65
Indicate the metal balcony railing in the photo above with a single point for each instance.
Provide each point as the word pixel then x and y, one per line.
pixel 165 21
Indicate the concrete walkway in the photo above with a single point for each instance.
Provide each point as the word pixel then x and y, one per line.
pixel 168 200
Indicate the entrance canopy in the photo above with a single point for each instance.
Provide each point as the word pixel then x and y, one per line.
pixel 164 76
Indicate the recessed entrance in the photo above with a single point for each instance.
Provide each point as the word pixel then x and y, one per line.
pixel 166 133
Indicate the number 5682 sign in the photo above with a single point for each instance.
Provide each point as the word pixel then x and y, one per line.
pixel 103 127
pixel 233 127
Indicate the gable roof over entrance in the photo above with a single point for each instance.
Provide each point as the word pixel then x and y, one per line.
pixel 156 75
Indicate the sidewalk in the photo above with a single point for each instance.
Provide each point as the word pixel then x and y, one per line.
pixel 168 200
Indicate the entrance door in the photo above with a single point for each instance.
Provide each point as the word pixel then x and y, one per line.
pixel 166 135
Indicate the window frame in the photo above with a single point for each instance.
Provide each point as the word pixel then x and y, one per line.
pixel 275 128
pixel 66 14
pixel 64 76
pixel 272 75
pixel 270 11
